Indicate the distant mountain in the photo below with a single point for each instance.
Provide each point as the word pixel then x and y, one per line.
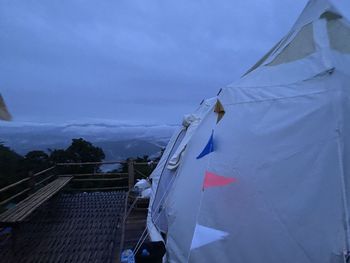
pixel 118 141
pixel 115 150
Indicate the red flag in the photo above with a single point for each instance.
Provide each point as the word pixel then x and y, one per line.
pixel 212 180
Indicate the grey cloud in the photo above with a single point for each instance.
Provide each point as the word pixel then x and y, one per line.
pixel 150 61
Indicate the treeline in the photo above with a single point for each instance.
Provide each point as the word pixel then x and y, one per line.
pixel 14 167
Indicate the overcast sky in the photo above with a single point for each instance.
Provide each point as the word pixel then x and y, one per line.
pixel 132 61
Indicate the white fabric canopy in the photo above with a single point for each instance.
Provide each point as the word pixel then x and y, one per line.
pixel 281 157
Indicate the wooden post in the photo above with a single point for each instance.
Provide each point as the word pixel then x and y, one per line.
pixel 31 182
pixel 131 173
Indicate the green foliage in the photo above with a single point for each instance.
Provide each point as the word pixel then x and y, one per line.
pixel 58 156
pixel 10 166
pixel 14 167
pixel 79 151
pixel 36 161
pixel 83 151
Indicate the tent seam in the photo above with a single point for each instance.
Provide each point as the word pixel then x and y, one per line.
pixel 280 98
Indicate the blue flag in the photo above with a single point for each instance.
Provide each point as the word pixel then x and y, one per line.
pixel 208 148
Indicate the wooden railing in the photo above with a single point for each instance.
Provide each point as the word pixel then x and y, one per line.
pixel 98 181
pixel 26 185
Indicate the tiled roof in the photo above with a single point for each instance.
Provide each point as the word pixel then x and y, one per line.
pixel 78 227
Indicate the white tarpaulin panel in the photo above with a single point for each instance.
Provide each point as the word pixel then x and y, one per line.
pixel 165 173
pixel 339 35
pixel 301 46
pixel 270 181
pixel 286 204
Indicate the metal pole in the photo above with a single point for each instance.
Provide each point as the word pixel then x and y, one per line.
pixel 131 173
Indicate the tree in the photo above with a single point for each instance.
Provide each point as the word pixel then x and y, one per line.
pixel 58 156
pixel 83 151
pixel 10 163
pixel 36 161
pixel 79 151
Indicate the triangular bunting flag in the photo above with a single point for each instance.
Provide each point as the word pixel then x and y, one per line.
pixel 219 109
pixel 205 235
pixel 212 180
pixel 208 148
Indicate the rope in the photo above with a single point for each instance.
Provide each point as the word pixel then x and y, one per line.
pixel 200 202
pixel 126 214
pixel 143 238
pixel 140 173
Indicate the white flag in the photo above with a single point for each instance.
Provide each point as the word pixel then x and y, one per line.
pixel 205 235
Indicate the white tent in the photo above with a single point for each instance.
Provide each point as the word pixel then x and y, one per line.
pixel 4 114
pixel 163 176
pixel 263 173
